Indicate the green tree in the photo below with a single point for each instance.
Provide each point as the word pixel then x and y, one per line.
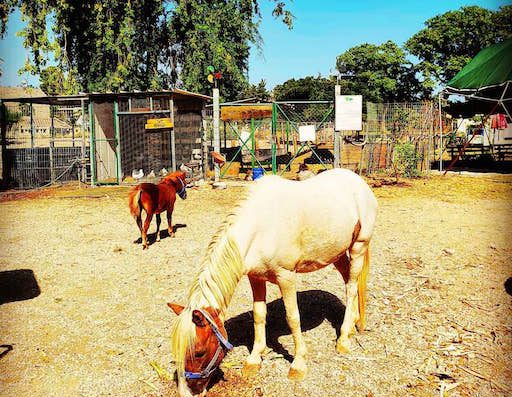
pixel 306 89
pixel 381 73
pixel 450 40
pixel 143 44
pixel 257 91
pixel 53 81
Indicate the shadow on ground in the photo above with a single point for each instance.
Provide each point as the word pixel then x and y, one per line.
pixel 18 285
pixel 315 306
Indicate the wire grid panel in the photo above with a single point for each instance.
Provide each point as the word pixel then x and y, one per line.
pixel 45 144
pixel 290 117
pixel 390 124
pixel 400 119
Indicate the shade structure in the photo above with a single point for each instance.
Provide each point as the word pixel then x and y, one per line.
pixel 485 82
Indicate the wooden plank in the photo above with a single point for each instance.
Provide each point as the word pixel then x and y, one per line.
pixel 245 112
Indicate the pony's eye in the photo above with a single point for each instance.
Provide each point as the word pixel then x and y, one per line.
pixel 199 354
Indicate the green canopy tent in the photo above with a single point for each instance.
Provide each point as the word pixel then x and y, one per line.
pixel 485 82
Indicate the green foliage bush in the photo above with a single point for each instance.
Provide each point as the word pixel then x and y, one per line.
pixel 405 160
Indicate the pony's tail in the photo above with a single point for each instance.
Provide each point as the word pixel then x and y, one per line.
pixel 361 290
pixel 134 202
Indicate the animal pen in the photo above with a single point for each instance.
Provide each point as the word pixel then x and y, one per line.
pixel 98 138
pixel 279 136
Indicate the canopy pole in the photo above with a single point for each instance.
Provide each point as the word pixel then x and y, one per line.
pixel 502 98
pixel 440 133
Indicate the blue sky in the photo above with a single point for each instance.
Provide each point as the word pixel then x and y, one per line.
pixel 323 29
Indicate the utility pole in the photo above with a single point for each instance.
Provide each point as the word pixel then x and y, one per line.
pixel 216 131
pixel 337 136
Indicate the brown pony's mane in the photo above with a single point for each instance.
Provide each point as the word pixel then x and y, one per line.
pixel 173 178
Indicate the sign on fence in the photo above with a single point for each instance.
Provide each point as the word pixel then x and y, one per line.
pixel 156 124
pixel 307 133
pixel 349 113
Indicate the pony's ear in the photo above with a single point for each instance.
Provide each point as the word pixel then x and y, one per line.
pixel 198 318
pixel 175 307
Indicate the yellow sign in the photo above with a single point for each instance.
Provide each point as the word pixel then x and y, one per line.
pixel 155 124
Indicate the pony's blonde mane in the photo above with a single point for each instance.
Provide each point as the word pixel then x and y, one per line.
pixel 214 285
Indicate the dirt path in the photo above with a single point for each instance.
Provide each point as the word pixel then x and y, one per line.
pixel 93 317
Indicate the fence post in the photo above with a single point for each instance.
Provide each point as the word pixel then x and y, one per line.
pixel 440 135
pixel 3 129
pixel 52 143
pixel 173 134
pixel 118 142
pixel 204 145
pixel 93 144
pixel 273 139
pixel 82 129
pixel 32 132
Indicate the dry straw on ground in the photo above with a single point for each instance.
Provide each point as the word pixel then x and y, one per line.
pixel 438 314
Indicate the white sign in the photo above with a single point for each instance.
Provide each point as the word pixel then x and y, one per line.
pixel 245 142
pixel 244 137
pixel 307 133
pixel 349 113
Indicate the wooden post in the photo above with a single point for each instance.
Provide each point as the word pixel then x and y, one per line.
pixel 216 132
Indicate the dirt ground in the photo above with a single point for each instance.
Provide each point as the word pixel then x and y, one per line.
pixel 83 308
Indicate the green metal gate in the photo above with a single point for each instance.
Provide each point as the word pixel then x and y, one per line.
pixel 288 118
pixel 273 143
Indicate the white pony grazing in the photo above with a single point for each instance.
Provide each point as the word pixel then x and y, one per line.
pixel 283 228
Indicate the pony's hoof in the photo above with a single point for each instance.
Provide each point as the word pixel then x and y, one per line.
pixel 145 247
pixel 297 374
pixel 250 370
pixel 360 325
pixel 342 347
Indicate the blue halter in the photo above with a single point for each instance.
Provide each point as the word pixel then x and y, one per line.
pixel 183 192
pixel 224 345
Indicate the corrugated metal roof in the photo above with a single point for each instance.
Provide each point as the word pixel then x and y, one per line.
pixel 76 99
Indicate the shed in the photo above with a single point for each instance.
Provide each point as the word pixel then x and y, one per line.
pixel 117 133
pixel 148 131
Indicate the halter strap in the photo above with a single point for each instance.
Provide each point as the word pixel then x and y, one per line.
pixel 183 189
pixel 223 345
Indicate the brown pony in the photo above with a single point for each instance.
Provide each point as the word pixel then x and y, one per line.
pixel 155 199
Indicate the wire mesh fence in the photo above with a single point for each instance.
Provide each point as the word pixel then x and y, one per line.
pixel 386 127
pixel 44 144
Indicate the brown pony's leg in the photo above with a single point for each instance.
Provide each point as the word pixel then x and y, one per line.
pixel 138 219
pixel 259 293
pixel 147 222
pixel 158 221
pixel 169 222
